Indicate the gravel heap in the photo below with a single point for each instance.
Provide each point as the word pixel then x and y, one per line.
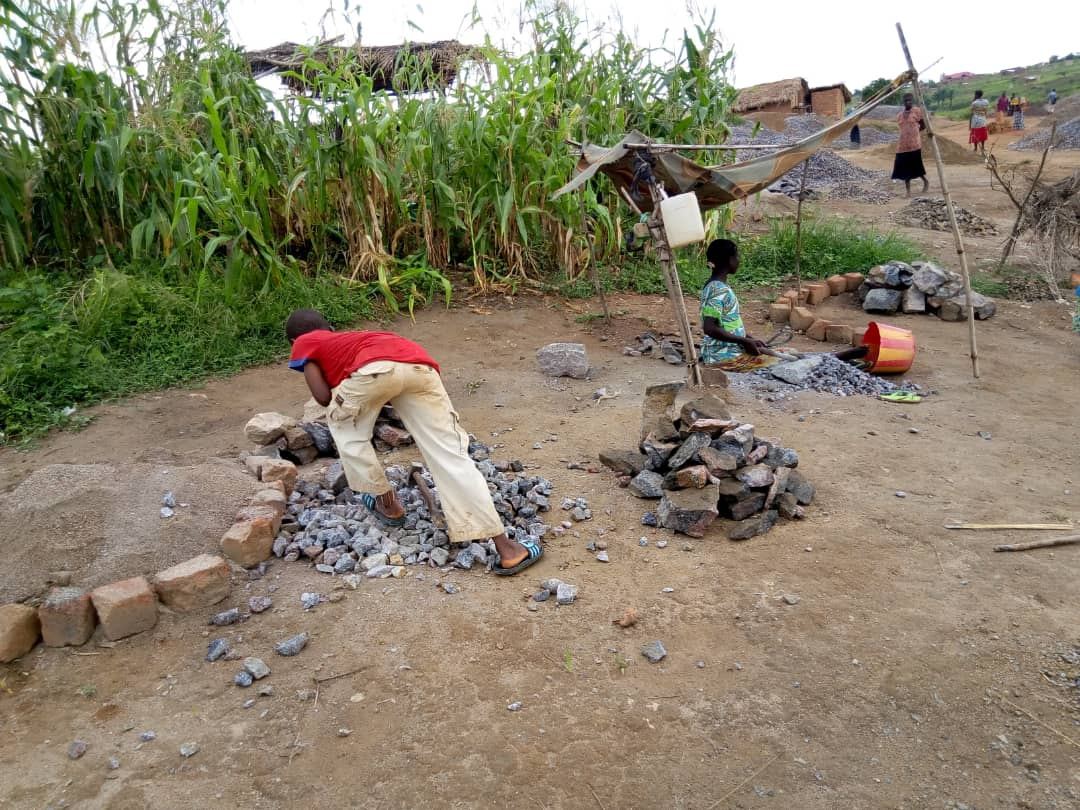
pixel 1066 137
pixel 868 136
pixel 832 176
pixel 827 374
pixel 884 112
pixel 703 464
pixel 327 525
pixel 929 213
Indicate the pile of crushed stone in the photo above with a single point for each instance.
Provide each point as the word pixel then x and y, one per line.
pixel 930 213
pixel 1066 137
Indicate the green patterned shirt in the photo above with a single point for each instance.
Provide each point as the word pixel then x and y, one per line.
pixel 718 301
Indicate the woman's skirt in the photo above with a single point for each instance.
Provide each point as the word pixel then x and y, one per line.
pixel 977 135
pixel 908 165
pixel 1018 119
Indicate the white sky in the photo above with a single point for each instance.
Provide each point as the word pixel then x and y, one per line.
pixel 824 42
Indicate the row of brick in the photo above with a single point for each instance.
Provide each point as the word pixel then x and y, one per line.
pixel 68 616
pixel 795 308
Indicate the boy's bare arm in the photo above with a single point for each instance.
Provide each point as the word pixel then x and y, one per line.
pixel 316 382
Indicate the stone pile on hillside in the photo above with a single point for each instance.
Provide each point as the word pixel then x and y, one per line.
pixel 1066 137
pixel 702 464
pixel 919 288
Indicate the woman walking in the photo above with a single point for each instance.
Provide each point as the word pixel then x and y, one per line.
pixel 977 125
pixel 1018 105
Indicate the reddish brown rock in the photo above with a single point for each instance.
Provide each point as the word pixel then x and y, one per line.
pixel 779 312
pixel 125 608
pixel 196 583
pixel 802 318
pixel 20 630
pixel 816 292
pixel 393 436
pixel 67 617
pixel 818 329
pixel 276 469
pixel 836 284
pixel 249 542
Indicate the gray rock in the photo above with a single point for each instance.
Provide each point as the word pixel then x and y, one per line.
pixel 791 599
pixel 380 571
pixel 752 527
pixel 650 519
pixel 551 585
pixel 440 556
pixel 800 487
pixel 741 510
pixel 883 300
pixel 217 648
pixel 579 513
pixel 928 277
pixel 781 457
pixel 956 308
pixel 258 604
pixel 281 542
pixel 723 460
pixel 647 484
pixel 755 477
pixel 147 736
pixel 335 479
pixel 563 360
pixel 345 565
pixel 256 667
pixel 374 561
pixel 565 594
pixel 788 506
pixel 76 749
pixel 310 600
pixel 893 275
pixel 689 511
pixel 169 500
pixel 914 301
pixel 451 588
pixel 688 450
pixel 643 541
pixel 112 764
pixel 188 750
pixel 542 595
pixel 707 406
pixel 323 568
pixel 654 651
pixel 627 462
pixel 602 557
pixel 226 617
pixel 796 372
pixel 292 646
pixel 514 707
pixel 166 512
pixel 243 679
pixel 464 559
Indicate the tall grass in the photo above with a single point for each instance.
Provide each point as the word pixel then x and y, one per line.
pixel 159 211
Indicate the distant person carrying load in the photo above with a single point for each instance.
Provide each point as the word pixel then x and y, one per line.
pixel 1051 101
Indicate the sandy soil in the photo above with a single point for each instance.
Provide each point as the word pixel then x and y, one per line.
pixel 909 675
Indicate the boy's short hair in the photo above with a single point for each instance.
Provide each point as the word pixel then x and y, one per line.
pixel 719 253
pixel 303 321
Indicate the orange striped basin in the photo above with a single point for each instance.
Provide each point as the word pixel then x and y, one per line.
pixel 892 349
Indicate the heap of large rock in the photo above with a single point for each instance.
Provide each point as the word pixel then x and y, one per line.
pixel 303 441
pixel 702 464
pixel 920 288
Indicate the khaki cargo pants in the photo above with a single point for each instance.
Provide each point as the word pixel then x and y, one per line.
pixel 417 394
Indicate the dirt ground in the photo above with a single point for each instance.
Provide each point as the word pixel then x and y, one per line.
pixel 916 671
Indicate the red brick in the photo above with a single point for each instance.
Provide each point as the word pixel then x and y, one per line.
pixel 818 329
pixel 67 617
pixel 19 631
pixel 838 333
pixel 853 280
pixel 125 608
pixel 271 497
pixel 249 542
pixel 275 485
pixel 779 312
pixel 837 284
pixel 816 293
pixel 276 469
pixel 196 583
pixel 802 318
pixel 791 296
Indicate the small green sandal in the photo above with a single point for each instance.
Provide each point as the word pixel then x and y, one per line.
pixel 901 396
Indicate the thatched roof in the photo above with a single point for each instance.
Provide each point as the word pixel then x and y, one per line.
pixel 788 91
pixel 437 63
pixel 842 87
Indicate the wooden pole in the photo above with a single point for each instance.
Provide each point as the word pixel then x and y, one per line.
pixel 674 287
pixel 957 237
pixel 594 273
pixel 798 225
pixel 1067 540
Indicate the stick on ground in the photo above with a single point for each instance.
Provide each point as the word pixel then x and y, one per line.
pixel 1067 540
pixel 1060 527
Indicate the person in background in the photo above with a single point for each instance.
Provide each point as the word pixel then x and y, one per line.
pixel 1076 312
pixel 908 163
pixel 977 133
pixel 1018 105
pixel 1002 109
pixel 856 136
pixel 1051 101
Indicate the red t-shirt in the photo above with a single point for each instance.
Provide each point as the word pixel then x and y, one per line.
pixel 339 354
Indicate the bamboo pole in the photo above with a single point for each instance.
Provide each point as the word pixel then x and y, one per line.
pixel 674 286
pixel 1067 540
pixel 957 237
pixel 594 273
pixel 798 225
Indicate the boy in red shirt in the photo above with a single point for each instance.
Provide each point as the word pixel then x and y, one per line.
pixel 355 374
